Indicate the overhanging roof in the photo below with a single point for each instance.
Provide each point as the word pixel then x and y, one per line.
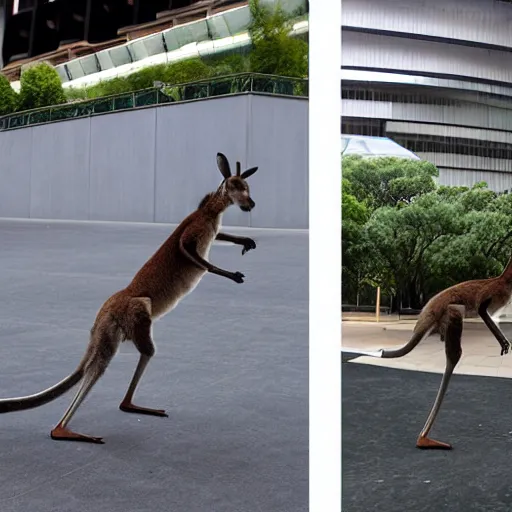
pixel 373 146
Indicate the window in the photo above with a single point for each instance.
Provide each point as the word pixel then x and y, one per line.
pixel 456 145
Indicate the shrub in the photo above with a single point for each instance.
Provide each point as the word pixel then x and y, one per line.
pixel 274 51
pixel 177 72
pixel 75 93
pixel 229 64
pixel 8 97
pixel 185 71
pixel 40 87
pixel 115 85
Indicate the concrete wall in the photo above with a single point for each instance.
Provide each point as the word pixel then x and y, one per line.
pixel 478 21
pixel 155 164
pixel 383 52
pixel 466 114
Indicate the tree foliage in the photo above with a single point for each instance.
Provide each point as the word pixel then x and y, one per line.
pixel 354 215
pixel 417 238
pixel 388 180
pixel 274 52
pixel 40 87
pixel 175 73
pixel 8 97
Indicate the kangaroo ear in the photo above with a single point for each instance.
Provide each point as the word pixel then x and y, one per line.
pixel 249 172
pixel 238 168
pixel 223 165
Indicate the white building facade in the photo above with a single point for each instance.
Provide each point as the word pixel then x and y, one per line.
pixel 435 76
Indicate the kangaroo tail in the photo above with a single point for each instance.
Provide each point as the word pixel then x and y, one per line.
pixel 47 395
pixel 417 336
pixel 29 402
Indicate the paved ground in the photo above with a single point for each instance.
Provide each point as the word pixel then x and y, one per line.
pixel 231 370
pixel 386 403
pixel 383 411
pixel 480 350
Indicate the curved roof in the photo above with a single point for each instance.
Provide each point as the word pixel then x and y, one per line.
pixel 373 146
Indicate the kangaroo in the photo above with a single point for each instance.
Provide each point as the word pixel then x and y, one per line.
pixel 173 271
pixel 445 313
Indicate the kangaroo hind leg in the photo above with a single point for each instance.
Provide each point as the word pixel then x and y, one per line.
pixel 452 325
pixel 140 333
pixel 102 349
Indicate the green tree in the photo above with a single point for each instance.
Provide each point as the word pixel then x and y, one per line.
pixel 398 240
pixel 274 51
pixel 352 209
pixel 413 238
pixel 8 97
pixel 354 216
pixel 40 87
pixel 388 181
pixel 483 246
pixel 477 198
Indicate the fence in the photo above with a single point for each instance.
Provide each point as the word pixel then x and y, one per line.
pixel 214 87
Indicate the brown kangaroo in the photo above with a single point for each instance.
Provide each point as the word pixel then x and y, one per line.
pixel 445 313
pixel 169 275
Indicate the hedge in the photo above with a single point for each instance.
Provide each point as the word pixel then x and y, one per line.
pixel 8 97
pixel 40 87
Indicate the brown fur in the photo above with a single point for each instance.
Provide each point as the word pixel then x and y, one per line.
pixel 169 275
pixel 494 292
pixel 445 313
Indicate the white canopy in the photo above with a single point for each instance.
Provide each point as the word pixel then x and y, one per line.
pixel 373 146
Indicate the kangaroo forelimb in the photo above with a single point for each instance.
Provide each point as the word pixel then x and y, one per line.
pixel 496 331
pixel 190 251
pixel 225 237
pixel 247 242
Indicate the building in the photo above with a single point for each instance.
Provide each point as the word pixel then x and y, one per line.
pixel 93 40
pixel 434 76
pixel 60 30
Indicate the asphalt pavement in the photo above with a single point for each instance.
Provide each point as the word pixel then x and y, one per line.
pixel 231 369
pixel 383 412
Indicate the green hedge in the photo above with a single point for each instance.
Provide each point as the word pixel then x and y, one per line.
pixel 214 86
pixel 8 97
pixel 40 87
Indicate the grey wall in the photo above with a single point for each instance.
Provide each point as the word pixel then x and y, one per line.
pixel 155 164
pixel 467 114
pixel 480 21
pixel 374 51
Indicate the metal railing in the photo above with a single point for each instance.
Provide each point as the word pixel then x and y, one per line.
pixel 164 93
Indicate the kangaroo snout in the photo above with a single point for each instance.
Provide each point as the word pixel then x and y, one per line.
pixel 249 207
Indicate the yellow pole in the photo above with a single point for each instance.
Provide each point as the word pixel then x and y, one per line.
pixel 377 308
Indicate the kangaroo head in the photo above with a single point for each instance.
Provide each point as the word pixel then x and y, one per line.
pixel 236 187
